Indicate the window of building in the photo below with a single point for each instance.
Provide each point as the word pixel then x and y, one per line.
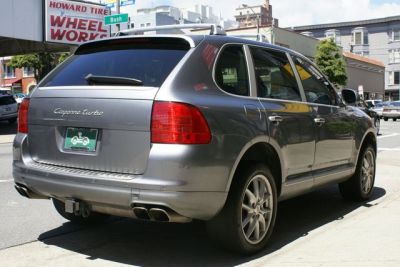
pixel 394 77
pixel 231 72
pixel 28 72
pixel 395 35
pixel 394 56
pixel 148 24
pixel 274 75
pixel 9 72
pixel 334 34
pixel 142 25
pixel 360 36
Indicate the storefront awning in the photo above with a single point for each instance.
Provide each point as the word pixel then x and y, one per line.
pixel 10 82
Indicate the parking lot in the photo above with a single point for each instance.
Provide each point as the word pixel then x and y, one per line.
pixel 318 229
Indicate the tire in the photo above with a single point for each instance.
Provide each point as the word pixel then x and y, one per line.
pixel 360 186
pixel 93 218
pixel 394 119
pixel 12 121
pixel 377 125
pixel 385 118
pixel 243 205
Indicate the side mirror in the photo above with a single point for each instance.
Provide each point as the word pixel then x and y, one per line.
pixel 351 97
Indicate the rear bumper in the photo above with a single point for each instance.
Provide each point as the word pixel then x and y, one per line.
pixel 391 115
pixel 107 191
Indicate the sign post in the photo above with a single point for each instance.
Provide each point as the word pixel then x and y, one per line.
pixel 116 19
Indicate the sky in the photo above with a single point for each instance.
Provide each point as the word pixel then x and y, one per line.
pixel 295 12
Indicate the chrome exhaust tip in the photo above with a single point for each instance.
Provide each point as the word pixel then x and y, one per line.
pixel 159 215
pixel 141 213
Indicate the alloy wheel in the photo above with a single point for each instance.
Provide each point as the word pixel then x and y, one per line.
pixel 257 209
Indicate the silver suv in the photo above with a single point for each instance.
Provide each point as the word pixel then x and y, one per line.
pixel 174 127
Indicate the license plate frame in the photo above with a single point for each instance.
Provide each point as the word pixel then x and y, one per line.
pixel 81 139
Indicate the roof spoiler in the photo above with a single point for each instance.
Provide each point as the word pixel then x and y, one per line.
pixel 214 29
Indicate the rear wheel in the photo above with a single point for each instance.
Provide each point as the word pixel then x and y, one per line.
pixel 385 118
pixel 394 119
pixel 93 218
pixel 359 187
pixel 246 222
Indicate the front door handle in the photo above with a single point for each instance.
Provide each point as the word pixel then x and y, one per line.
pixel 319 121
pixel 275 119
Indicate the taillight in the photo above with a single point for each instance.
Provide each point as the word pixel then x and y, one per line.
pixel 178 123
pixel 23 116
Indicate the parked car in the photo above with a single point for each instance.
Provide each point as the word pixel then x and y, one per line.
pixel 19 97
pixel 392 111
pixel 376 105
pixel 368 108
pixel 178 127
pixel 8 108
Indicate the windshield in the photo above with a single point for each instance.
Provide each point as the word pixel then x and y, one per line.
pixel 150 63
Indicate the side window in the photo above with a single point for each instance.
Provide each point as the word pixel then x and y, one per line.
pixel 274 75
pixel 315 87
pixel 231 71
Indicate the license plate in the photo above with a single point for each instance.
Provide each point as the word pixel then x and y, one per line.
pixel 82 139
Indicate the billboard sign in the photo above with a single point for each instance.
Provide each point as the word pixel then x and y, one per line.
pixel 71 22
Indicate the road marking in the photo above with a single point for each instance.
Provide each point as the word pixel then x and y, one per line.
pixel 6 181
pixel 389 135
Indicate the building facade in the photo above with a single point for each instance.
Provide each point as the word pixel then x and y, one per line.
pixel 377 39
pixel 251 16
pixel 14 79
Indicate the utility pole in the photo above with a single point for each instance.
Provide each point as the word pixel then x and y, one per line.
pixel 117 5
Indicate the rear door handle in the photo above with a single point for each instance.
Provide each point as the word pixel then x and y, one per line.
pixel 275 119
pixel 319 121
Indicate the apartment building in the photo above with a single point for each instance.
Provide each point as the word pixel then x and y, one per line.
pixel 377 39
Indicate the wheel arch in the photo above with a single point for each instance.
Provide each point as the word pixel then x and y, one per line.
pixel 259 152
pixel 368 139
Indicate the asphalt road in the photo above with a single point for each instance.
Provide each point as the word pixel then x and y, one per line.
pixel 124 241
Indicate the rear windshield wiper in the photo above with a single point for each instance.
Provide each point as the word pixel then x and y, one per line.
pixel 111 80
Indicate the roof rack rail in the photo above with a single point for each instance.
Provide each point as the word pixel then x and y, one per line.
pixel 214 28
pixel 258 37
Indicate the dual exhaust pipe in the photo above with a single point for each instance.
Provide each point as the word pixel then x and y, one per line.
pixel 159 214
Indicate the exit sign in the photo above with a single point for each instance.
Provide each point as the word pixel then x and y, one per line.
pixel 115 19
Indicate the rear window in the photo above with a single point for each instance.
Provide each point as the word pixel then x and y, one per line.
pixel 6 100
pixel 149 61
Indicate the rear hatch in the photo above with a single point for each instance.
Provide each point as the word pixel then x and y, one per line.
pixel 8 105
pixel 94 111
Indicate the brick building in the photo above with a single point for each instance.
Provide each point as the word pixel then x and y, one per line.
pixel 16 80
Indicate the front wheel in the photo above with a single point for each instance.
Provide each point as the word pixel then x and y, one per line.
pixel 394 119
pixel 385 118
pixel 246 222
pixel 359 186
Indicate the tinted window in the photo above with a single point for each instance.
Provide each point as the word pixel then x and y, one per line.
pixel 151 63
pixel 316 88
pixel 7 100
pixel 231 71
pixel 274 75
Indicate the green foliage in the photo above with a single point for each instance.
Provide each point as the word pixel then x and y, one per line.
pixel 62 57
pixel 42 63
pixel 331 62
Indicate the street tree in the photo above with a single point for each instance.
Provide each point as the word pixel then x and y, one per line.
pixel 331 62
pixel 42 63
